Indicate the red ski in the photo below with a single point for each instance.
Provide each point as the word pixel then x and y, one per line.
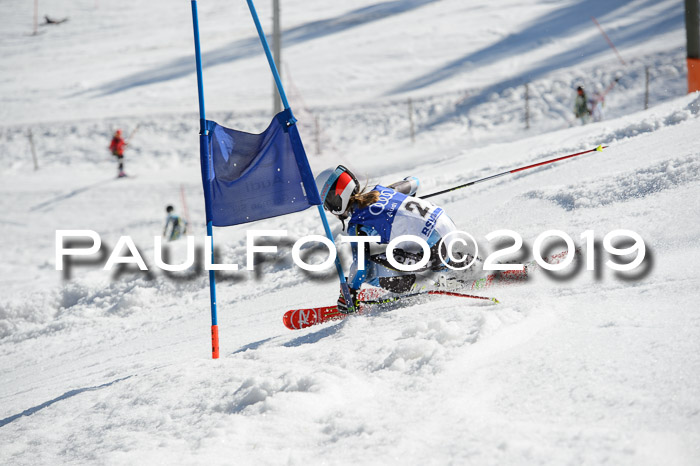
pixel 302 318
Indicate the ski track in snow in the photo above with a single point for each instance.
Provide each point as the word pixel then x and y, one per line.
pixel 643 182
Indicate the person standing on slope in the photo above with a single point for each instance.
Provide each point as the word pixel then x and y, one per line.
pixel 387 212
pixel 117 147
pixel 179 226
pixel 581 106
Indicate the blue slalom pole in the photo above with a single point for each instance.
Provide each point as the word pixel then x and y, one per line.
pixel 204 159
pixel 271 61
pixel 344 288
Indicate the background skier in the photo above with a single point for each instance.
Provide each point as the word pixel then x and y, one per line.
pixel 177 224
pixel 117 147
pixel 581 106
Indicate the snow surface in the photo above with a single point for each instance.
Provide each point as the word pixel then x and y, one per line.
pixel 591 368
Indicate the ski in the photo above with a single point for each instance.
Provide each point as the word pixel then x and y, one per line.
pixel 302 318
pixel 504 277
pixel 297 319
pixel 509 277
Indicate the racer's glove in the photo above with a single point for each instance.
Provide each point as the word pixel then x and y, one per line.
pixel 343 305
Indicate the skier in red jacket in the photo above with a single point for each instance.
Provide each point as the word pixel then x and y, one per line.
pixel 117 147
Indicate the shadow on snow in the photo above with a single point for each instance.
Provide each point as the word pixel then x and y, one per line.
pixel 245 48
pixel 68 394
pixel 556 25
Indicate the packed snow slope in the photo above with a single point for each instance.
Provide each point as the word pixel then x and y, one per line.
pixel 580 367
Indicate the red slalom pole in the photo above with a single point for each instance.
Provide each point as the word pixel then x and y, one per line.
pixel 612 46
pixel 184 203
pixel 215 342
pixel 462 295
pixel 597 149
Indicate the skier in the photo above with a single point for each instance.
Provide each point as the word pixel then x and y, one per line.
pixel 597 103
pixel 179 225
pixel 117 147
pixel 387 212
pixel 48 20
pixel 581 106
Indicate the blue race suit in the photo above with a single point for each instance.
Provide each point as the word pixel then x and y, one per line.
pixel 393 215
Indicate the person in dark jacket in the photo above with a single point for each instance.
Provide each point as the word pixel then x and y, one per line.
pixel 581 109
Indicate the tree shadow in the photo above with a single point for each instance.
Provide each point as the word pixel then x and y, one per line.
pixel 556 25
pixel 68 195
pixel 245 48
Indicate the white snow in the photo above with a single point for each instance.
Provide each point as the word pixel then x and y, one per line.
pixel 590 369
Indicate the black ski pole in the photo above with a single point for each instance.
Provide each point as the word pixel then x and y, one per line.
pixel 599 149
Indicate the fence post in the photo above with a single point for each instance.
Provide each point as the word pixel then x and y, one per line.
pixel 410 120
pixel 527 106
pixel 646 88
pixel 36 17
pixel 317 134
pixel 31 144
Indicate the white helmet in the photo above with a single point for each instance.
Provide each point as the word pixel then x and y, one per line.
pixel 338 186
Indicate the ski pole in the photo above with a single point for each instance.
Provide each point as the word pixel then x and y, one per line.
pixel 598 149
pixel 184 203
pixel 606 91
pixel 132 134
pixel 610 43
pixel 430 292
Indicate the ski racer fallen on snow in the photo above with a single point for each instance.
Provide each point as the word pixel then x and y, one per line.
pixel 387 212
